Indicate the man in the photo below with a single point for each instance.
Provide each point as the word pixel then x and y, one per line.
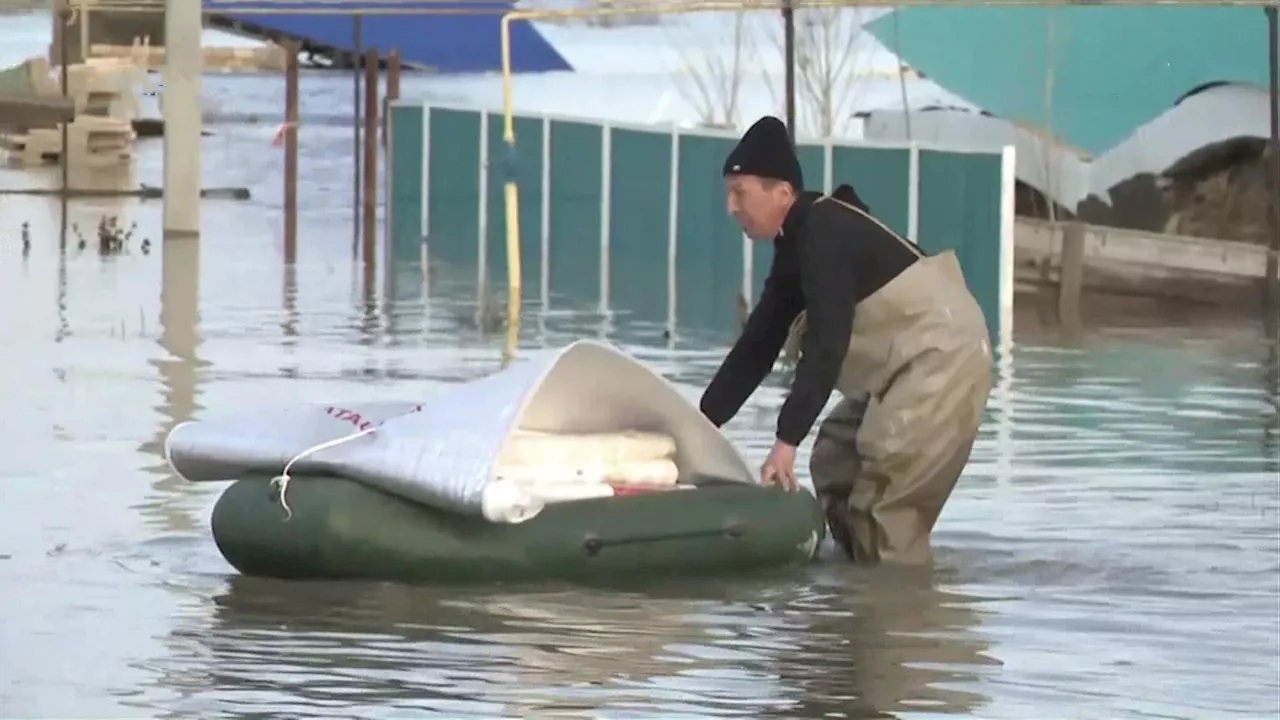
pixel 896 331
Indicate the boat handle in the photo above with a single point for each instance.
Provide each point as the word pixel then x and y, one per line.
pixel 593 544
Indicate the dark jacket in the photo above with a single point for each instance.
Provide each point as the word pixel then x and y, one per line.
pixel 826 260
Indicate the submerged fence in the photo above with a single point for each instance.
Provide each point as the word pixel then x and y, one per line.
pixel 632 219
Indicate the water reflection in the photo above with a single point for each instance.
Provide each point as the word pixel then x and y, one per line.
pixel 64 328
pixel 289 303
pixel 1270 416
pixel 370 322
pixel 179 371
pixel 884 642
pixel 1118 513
pixel 825 648
pixel 1121 504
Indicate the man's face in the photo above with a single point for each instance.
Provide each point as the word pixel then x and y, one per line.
pixel 758 205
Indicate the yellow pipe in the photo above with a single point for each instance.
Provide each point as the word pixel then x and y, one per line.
pixel 510 187
pixel 512 196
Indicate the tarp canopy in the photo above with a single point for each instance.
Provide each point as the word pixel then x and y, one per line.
pixel 1090 75
pixel 443 451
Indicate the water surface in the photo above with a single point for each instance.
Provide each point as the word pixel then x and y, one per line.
pixel 1112 550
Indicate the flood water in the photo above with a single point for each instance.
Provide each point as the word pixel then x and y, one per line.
pixel 1113 549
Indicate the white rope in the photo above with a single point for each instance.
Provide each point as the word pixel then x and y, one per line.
pixel 282 480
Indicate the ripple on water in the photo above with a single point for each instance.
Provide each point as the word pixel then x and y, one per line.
pixel 1111 552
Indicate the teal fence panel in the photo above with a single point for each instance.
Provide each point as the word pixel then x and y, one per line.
pixel 709 263
pixel 639 222
pixel 958 194
pixel 960 210
pixel 882 178
pixel 405 154
pixel 576 194
pixel 453 186
pixel 528 170
pixel 813 162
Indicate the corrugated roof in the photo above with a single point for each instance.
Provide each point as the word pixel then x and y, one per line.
pixel 466 40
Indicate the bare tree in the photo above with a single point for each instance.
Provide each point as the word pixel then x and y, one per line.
pixel 1049 142
pixel 830 53
pixel 711 72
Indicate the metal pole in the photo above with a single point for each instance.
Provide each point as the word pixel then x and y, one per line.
pixel 370 198
pixel 393 91
pixel 180 107
pixel 64 157
pixel 357 58
pixel 291 154
pixel 1273 258
pixel 789 59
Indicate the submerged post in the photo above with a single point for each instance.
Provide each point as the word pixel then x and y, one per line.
pixel 370 157
pixel 291 154
pixel 180 106
pixel 64 59
pixel 1272 311
pixel 1071 277
pixel 392 93
pixel 789 59
pixel 64 155
pixel 510 191
pixel 356 58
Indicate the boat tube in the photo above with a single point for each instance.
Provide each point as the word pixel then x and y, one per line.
pixel 583 464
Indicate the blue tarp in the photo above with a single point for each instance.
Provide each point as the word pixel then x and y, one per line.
pixel 465 40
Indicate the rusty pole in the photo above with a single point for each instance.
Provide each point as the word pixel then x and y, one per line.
pixel 1271 313
pixel 291 154
pixel 64 59
pixel 393 91
pixel 357 54
pixel 370 194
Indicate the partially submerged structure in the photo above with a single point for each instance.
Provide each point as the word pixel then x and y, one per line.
pixel 1198 169
pixel 455 37
pixel 98 110
pixel 1152 118
pixel 22 105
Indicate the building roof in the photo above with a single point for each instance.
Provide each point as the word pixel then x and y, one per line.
pixel 1089 75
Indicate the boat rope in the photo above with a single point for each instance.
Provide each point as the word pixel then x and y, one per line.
pixel 281 481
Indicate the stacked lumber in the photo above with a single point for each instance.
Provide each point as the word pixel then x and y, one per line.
pixel 103 96
pixel 94 87
pixel 30 112
pixel 268 58
pixel 107 87
pixel 94 142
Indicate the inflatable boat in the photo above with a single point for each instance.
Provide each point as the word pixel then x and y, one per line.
pixel 580 465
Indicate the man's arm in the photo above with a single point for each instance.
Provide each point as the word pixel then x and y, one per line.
pixel 827 278
pixel 753 355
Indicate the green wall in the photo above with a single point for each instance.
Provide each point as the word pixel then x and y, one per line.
pixel 405 180
pixel 608 195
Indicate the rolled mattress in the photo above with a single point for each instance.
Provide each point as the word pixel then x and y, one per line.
pixel 342 529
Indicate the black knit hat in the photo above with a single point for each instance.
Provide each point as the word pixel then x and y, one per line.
pixel 765 151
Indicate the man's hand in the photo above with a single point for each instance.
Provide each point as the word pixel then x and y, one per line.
pixel 780 467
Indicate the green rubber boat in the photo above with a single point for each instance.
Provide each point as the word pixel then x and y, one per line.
pixel 342 529
pixel 581 464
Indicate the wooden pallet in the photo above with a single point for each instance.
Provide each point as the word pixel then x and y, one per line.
pixel 269 58
pixel 93 142
pixel 100 86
